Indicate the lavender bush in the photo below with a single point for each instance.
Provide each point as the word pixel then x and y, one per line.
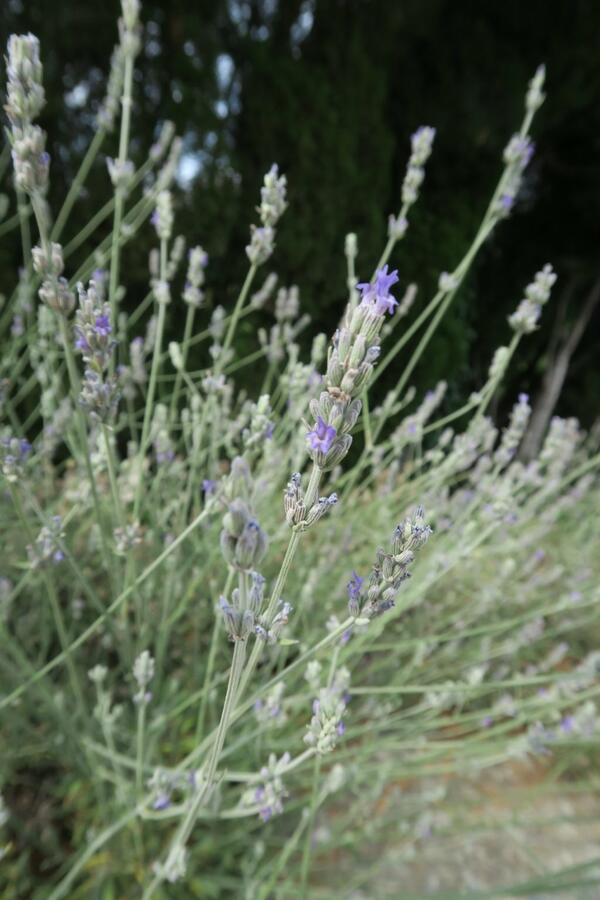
pixel 224 646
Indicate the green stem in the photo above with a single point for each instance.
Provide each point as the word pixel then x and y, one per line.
pixel 24 213
pixel 141 727
pixel 112 477
pixel 489 393
pixel 77 183
pixel 248 704
pixel 210 665
pixel 148 409
pixel 314 794
pixel 184 831
pixel 103 213
pixel 391 242
pixel 187 333
pixel 235 316
pixel 367 421
pixel 120 192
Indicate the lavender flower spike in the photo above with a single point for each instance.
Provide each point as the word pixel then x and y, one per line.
pixel 354 588
pixel 322 436
pixel 377 294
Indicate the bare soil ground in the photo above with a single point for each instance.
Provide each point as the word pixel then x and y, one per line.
pixel 497 835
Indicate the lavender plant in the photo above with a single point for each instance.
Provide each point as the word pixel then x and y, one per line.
pixel 210 619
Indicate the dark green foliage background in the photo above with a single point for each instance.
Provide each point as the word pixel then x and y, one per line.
pixel 335 106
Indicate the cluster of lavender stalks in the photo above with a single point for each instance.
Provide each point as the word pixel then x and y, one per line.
pixel 179 647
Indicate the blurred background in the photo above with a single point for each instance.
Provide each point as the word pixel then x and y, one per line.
pixel 332 90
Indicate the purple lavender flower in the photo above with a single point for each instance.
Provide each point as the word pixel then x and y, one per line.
pixel 163 801
pixel 81 342
pixel 377 294
pixel 518 151
pixel 527 151
pixel 209 486
pixel 102 326
pixel 567 724
pixel 259 794
pixel 165 456
pixel 322 436
pixel 13 454
pixel 354 586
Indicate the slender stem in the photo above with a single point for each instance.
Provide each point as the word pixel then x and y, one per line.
pixel 83 438
pixel 392 241
pixel 72 195
pixel 24 213
pixel 492 387
pixel 314 796
pixel 210 665
pixel 102 214
pixel 208 774
pixel 248 704
pixel 276 867
pixel 112 752
pixel 310 497
pixel 239 655
pixel 235 316
pixel 149 407
pixel 112 476
pixel 187 333
pixel 120 191
pixel 367 421
pixel 141 727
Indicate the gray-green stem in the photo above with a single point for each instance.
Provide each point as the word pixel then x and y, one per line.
pixel 235 316
pixel 208 774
